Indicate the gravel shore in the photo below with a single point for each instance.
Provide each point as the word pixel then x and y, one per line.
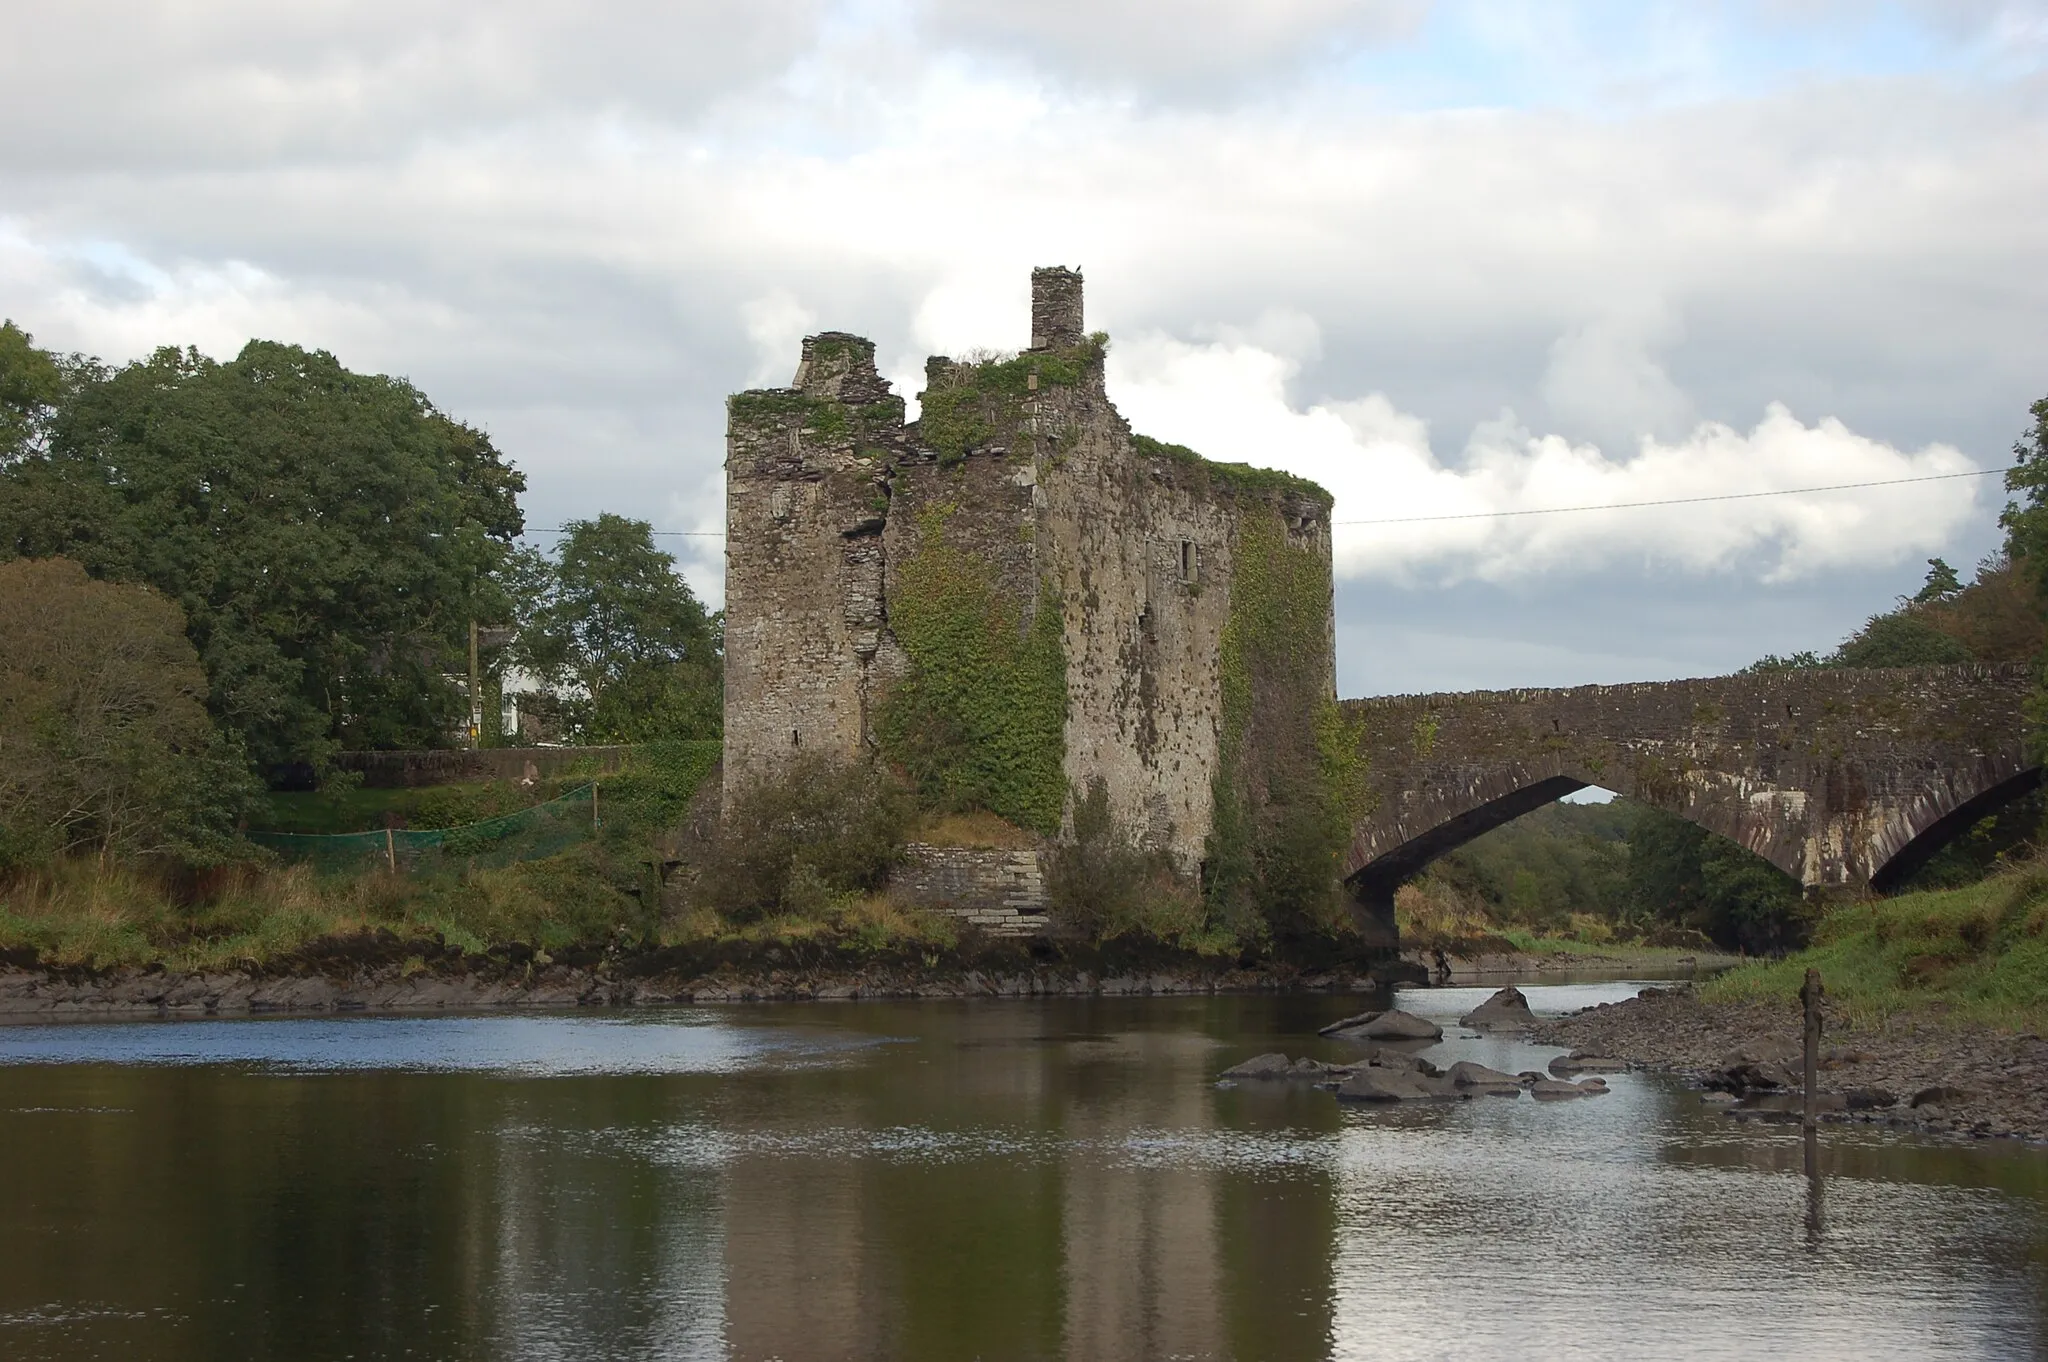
pixel 1970 1081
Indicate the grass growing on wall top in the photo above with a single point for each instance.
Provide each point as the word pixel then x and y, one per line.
pixel 976 400
pixel 980 722
pixel 1241 479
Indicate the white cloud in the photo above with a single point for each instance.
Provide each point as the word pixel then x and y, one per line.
pixel 1229 399
pixel 1191 47
pixel 583 232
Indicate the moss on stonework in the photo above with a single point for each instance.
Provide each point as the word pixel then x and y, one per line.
pixel 1237 479
pixel 1291 777
pixel 855 423
pixel 976 401
pixel 980 722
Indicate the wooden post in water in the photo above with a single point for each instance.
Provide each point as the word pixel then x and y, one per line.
pixel 1809 994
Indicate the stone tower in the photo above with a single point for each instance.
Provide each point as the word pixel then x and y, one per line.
pixel 1013 596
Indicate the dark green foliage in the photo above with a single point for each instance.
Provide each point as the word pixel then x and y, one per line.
pixel 1289 780
pixel 32 383
pixel 1942 583
pixel 1549 865
pixel 2026 516
pixel 328 535
pixel 980 722
pixel 812 831
pixel 1903 638
pixel 1096 880
pixel 105 743
pixel 651 796
pixel 1679 872
pixel 632 654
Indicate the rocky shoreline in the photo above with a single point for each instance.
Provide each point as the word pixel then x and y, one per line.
pixel 1924 1075
pixel 498 983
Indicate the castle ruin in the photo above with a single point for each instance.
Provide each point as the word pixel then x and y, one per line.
pixel 1013 596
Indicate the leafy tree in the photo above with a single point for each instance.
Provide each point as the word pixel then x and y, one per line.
pixel 31 384
pixel 105 743
pixel 329 535
pixel 2026 517
pixel 1904 638
pixel 618 633
pixel 1679 872
pixel 1941 583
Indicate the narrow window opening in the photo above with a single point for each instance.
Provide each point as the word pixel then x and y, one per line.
pixel 794 740
pixel 1190 562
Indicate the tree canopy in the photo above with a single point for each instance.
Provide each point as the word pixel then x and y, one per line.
pixel 105 742
pixel 328 535
pixel 629 649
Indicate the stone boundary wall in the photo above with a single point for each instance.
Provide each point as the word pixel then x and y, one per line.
pixel 402 769
pixel 1000 892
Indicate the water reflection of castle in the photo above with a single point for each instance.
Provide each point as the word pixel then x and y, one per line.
pixel 1054 1208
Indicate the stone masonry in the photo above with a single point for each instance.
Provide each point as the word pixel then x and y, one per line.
pixel 1844 778
pixel 1000 892
pixel 828 491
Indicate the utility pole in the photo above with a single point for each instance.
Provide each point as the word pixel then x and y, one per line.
pixel 476 695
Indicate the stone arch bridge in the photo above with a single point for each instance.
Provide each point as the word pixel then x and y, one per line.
pixel 1846 779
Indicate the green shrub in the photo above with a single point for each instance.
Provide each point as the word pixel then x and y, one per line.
pixel 795 841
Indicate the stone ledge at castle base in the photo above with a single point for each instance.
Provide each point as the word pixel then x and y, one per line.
pixel 43 995
pixel 998 892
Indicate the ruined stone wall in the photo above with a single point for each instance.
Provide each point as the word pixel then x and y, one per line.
pixel 1025 467
pixel 806 506
pixel 1002 893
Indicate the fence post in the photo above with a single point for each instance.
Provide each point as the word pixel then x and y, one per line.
pixel 390 849
pixel 1810 994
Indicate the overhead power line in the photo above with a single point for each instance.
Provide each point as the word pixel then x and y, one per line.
pixel 1548 510
pixel 1674 501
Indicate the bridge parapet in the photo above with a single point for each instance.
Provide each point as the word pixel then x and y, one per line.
pixel 1841 777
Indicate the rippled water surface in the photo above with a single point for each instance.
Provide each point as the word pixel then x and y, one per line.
pixel 950 1181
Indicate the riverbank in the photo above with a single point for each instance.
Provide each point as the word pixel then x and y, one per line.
pixel 381 972
pixel 1485 965
pixel 1941 1076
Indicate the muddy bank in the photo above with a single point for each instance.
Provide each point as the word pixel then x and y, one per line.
pixel 372 975
pixel 1969 1081
pixel 1451 968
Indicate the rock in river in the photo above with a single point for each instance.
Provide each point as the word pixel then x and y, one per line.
pixel 1477 1078
pixel 1579 1062
pixel 1506 1010
pixel 1552 1089
pixel 1394 1025
pixel 1263 1066
pixel 1394 1085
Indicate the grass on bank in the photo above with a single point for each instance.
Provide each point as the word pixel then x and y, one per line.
pixel 1434 915
pixel 1978 954
pixel 87 914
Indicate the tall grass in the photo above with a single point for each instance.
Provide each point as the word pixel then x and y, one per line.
pixel 1976 954
pixel 94 914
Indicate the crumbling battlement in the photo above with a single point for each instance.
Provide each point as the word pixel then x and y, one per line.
pixel 1013 596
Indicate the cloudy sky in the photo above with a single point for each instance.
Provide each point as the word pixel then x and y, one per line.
pixel 1449 258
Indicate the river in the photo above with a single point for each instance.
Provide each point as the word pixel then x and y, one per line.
pixel 929 1180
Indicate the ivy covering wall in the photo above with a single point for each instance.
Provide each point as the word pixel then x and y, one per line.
pixel 980 722
pixel 1290 781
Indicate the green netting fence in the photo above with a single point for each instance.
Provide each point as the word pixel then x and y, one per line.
pixel 522 835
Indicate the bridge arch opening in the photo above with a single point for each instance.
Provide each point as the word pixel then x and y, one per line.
pixel 1372 888
pixel 1909 859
